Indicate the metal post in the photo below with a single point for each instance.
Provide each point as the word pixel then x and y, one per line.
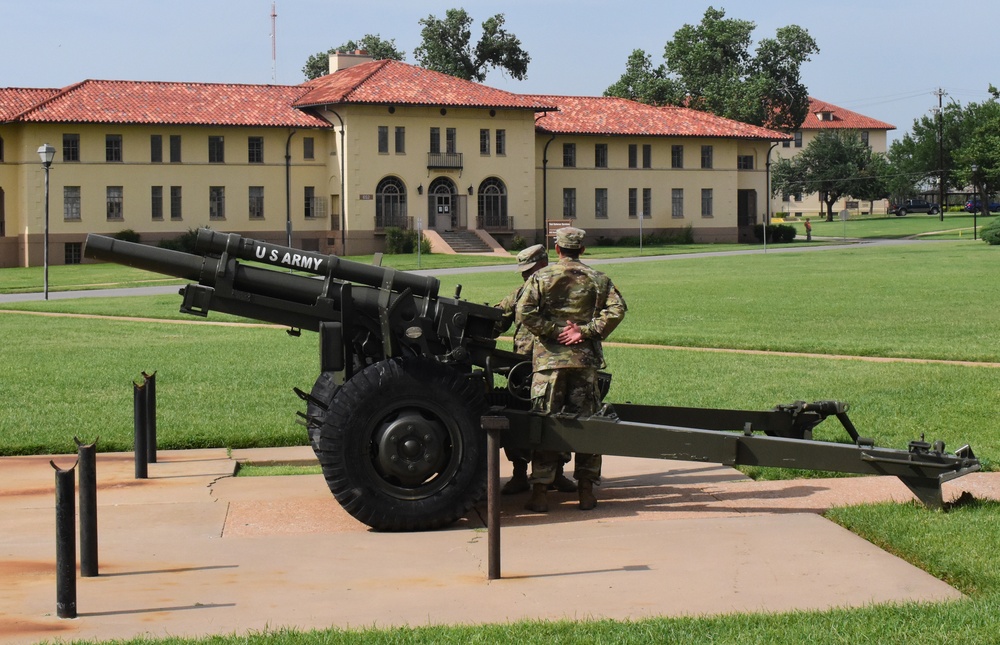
pixel 149 382
pixel 45 251
pixel 140 433
pixel 493 427
pixel 87 458
pixel 65 542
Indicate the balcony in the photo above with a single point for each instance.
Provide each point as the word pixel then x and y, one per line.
pixel 494 223
pixel 447 160
pixel 394 220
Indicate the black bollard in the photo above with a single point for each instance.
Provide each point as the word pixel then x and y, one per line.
pixel 140 418
pixel 87 458
pixel 149 381
pixel 493 427
pixel 65 542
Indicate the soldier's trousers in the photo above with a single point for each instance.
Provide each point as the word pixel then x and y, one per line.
pixel 573 391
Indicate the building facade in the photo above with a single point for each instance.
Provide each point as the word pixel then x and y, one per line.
pixel 333 163
pixel 827 116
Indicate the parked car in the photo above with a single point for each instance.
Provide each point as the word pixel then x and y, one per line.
pixel 973 206
pixel 914 206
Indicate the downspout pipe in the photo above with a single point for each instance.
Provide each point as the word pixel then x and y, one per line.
pixel 545 190
pixel 343 197
pixel 288 189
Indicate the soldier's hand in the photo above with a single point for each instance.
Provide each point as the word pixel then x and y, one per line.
pixel 570 334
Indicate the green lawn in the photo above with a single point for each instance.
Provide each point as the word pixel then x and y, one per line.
pixel 231 386
pixel 954 226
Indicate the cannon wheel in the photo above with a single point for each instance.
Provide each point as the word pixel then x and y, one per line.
pixel 401 445
pixel 323 390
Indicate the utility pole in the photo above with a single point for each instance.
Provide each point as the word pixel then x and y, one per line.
pixel 940 116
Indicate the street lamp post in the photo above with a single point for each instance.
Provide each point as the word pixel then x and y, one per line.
pixel 46 153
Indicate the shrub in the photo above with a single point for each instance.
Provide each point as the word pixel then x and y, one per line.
pixel 127 235
pixel 399 241
pixel 518 243
pixel 776 233
pixel 184 242
pixel 991 233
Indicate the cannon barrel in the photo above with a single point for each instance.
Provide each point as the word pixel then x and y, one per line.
pixel 210 241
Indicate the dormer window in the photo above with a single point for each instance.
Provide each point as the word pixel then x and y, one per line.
pixel 825 116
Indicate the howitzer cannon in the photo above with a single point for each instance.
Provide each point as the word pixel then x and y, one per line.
pixel 406 374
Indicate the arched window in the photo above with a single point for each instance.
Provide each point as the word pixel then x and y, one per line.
pixel 390 204
pixel 492 203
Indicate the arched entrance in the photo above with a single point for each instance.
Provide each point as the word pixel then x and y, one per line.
pixel 441 202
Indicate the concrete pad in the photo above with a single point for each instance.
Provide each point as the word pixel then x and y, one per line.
pixel 194 551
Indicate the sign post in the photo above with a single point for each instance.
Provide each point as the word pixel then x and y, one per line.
pixel 554 225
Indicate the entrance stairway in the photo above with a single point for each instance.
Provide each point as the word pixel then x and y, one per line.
pixel 464 242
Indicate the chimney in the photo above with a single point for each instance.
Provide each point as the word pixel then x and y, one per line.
pixel 343 60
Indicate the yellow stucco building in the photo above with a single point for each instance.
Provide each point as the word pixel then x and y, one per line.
pixel 334 162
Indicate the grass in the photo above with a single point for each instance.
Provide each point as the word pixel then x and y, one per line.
pixel 954 226
pixel 231 386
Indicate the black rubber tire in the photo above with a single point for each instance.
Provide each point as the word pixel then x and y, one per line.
pixel 323 390
pixel 401 445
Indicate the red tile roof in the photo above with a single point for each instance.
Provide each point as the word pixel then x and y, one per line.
pixel 144 102
pixel 390 82
pixel 616 116
pixel 842 119
pixel 15 100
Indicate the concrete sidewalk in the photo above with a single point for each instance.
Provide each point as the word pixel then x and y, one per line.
pixel 193 551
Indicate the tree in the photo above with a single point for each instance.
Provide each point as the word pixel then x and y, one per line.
pixel 319 63
pixel 446 47
pixel 978 159
pixel 835 164
pixel 927 152
pixel 711 68
pixel 643 83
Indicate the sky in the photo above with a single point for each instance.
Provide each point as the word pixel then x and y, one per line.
pixel 882 58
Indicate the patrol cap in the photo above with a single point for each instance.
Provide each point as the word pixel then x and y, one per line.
pixel 530 256
pixel 570 237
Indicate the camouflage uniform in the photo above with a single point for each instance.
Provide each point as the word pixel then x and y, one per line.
pixel 565 376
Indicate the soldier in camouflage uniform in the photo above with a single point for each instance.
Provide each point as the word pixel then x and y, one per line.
pixel 529 261
pixel 570 308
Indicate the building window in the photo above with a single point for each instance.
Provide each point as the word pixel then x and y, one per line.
pixel 1 155
pixel 647 155
pixel 156 148
pixel 73 252
pixel 633 202
pixel 798 139
pixel 308 148
pixel 255 150
pixel 600 155
pixel 706 157
pixel 71 203
pixel 115 203
pixel 744 162
pixel 569 155
pixel 864 137
pixel 314 206
pixel 677 202
pixel 256 202
pixel 633 155
pixel 569 202
pixel 390 202
pixel 71 147
pixel 786 143
pixel 435 141
pixel 676 156
pixel 175 203
pixel 383 139
pixel 156 202
pixel 175 148
pixel 492 202
pixel 797 197
pixel 113 147
pixel 400 140
pixel 451 141
pixel 216 150
pixel 601 203
pixel 647 202
pixel 706 202
pixel 216 202
pixel 484 141
pixel 501 143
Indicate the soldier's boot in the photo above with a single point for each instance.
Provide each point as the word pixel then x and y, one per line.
pixel 518 483
pixel 538 503
pixel 562 483
pixel 587 499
